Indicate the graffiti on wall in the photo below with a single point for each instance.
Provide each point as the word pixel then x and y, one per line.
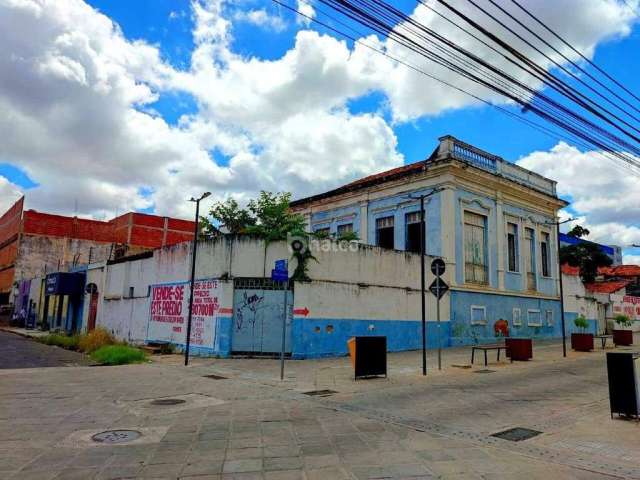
pixel 247 309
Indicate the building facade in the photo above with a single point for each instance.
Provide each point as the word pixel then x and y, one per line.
pixel 492 222
pixel 614 252
pixel 34 244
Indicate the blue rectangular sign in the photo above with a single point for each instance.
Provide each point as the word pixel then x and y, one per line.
pixel 279 275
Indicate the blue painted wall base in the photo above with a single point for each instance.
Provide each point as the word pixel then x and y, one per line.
pixel 322 337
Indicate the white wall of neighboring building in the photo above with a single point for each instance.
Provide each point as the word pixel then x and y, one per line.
pixel 357 283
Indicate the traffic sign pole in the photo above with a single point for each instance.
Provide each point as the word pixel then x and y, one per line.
pixel 438 288
pixel 438 319
pixel 284 329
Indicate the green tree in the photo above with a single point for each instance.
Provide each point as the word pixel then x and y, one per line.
pixel 273 217
pixel 585 255
pixel 578 232
pixel 267 216
pixel 229 216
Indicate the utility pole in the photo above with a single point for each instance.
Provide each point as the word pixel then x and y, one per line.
pixel 422 287
pixel 193 273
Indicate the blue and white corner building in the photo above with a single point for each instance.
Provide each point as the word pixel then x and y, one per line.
pixel 492 222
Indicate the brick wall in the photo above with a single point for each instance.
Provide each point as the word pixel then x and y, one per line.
pixel 57 239
pixel 9 230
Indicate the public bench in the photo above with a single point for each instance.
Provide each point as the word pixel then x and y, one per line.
pixel 485 349
pixel 603 339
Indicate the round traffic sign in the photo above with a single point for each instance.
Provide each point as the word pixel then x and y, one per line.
pixel 437 267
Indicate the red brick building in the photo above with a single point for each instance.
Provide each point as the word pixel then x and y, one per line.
pixel 32 242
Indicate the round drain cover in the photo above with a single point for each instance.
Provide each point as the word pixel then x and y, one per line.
pixel 168 401
pixel 116 436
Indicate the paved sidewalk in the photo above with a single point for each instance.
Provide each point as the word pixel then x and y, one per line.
pixel 250 425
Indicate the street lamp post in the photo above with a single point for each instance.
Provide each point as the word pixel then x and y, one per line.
pixel 193 273
pixel 564 335
pixel 422 276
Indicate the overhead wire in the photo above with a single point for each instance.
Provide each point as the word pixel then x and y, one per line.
pixel 571 138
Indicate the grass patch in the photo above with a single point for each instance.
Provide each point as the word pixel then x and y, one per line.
pixel 118 355
pixel 94 340
pixel 63 341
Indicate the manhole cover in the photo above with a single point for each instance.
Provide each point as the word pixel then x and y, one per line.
pixel 215 377
pixel 517 434
pixel 320 393
pixel 168 401
pixel 484 371
pixel 116 436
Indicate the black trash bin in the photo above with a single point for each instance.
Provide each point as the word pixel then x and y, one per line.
pixel 623 369
pixel 369 356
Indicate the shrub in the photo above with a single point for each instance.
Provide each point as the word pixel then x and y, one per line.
pixel 118 355
pixel 95 339
pixel 62 341
pixel 581 322
pixel 623 320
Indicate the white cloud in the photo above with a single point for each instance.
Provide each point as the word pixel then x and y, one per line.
pixel 261 18
pixel 76 97
pixel 606 199
pixel 305 7
pixel 9 193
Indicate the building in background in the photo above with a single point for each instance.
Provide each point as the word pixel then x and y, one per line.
pixel 599 302
pixel 34 244
pixel 614 252
pixel 492 222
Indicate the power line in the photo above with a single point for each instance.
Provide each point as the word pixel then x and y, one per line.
pixel 550 79
pixel 593 64
pixel 503 10
pixel 369 20
pixel 556 135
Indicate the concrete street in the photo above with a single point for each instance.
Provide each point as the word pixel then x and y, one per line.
pixel 250 425
pixel 20 352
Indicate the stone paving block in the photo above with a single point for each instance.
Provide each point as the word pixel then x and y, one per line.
pixel 281 451
pixel 326 473
pixel 245 442
pixel 319 461
pixel 239 453
pixel 407 470
pixel 209 445
pixel 434 455
pixel 200 477
pixel 161 471
pixel 285 475
pixel 203 468
pixel 77 474
pixel 242 466
pixel 171 457
pixel 243 476
pixel 282 463
pixel 320 449
pixel 35 475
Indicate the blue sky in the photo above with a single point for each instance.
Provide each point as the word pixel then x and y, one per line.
pixel 168 24
pixel 189 105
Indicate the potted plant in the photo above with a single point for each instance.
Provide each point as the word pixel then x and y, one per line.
pixel 622 335
pixel 582 341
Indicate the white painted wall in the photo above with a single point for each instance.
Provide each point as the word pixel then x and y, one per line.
pixel 369 283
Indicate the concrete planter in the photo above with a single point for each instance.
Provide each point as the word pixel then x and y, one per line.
pixel 623 337
pixel 520 349
pixel 582 342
